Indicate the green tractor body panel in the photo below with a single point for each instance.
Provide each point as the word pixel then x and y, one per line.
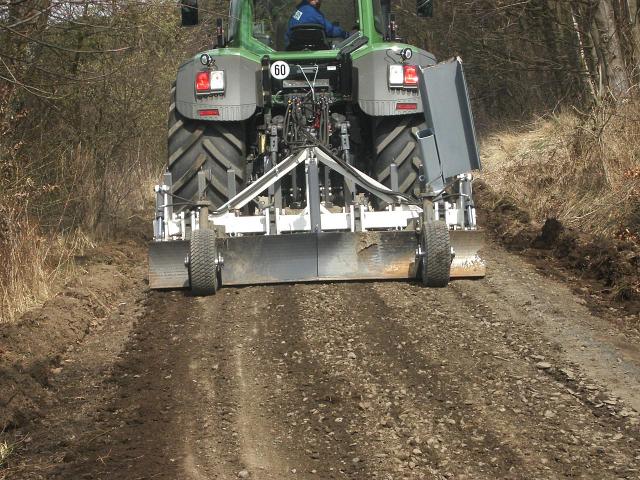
pixel 364 72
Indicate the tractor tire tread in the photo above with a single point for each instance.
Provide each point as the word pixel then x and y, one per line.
pixel 203 145
pixel 203 270
pixel 395 142
pixel 436 262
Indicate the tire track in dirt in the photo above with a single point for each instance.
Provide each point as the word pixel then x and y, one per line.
pixel 237 326
pixel 136 432
pixel 516 396
pixel 406 400
pixel 157 412
pixel 275 387
pixel 319 415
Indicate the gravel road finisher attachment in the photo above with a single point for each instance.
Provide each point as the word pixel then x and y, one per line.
pixel 281 170
pixel 316 244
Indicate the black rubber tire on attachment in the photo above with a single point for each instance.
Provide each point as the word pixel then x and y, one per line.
pixel 435 267
pixel 202 145
pixel 203 265
pixel 394 141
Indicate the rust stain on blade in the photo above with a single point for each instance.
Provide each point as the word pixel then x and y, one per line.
pixel 399 269
pixel 367 240
pixel 366 255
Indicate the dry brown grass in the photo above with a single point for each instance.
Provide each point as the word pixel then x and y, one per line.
pixel 35 265
pixel 583 169
pixel 44 227
pixel 5 452
pixel 47 222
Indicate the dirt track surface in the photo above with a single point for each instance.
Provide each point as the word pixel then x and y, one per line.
pixel 506 377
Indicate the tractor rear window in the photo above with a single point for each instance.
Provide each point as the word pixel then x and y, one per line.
pixel 381 10
pixel 271 18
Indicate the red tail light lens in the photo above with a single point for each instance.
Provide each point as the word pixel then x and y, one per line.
pixel 406 106
pixel 214 112
pixel 410 76
pixel 203 82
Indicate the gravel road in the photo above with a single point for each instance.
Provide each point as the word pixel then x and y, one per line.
pixel 507 377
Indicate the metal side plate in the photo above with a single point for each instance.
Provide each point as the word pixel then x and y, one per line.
pixel 467 262
pixel 167 267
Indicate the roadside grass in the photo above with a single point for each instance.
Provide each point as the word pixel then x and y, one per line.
pixel 577 176
pixel 6 450
pixel 582 169
pixel 36 264
pixel 44 233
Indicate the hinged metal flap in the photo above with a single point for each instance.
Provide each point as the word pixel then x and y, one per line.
pixel 447 111
pixel 430 161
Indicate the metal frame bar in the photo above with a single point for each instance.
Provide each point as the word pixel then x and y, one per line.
pixel 277 172
pixel 264 182
pixel 395 217
pixel 313 194
pixel 168 202
pixel 331 163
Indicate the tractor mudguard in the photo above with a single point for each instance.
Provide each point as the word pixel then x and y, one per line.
pixel 374 95
pixel 239 100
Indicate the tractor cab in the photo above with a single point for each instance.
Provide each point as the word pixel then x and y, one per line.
pixel 282 25
pixel 262 26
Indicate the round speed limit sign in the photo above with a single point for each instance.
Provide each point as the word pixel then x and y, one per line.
pixel 280 70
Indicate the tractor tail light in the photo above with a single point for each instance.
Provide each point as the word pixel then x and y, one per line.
pixel 406 106
pixel 411 76
pixel 203 82
pixel 213 112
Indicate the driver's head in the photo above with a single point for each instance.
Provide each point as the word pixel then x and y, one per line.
pixel 315 3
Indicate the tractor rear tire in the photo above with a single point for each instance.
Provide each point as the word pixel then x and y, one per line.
pixel 200 145
pixel 203 263
pixel 435 267
pixel 395 142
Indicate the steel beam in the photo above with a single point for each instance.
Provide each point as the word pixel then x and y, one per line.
pixel 365 181
pixel 264 182
pixel 313 194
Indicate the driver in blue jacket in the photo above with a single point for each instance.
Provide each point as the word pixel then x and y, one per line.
pixel 308 11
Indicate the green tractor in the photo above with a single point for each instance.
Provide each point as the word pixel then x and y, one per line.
pixel 298 157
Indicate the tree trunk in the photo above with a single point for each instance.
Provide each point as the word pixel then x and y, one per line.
pixel 609 44
pixel 634 27
pixel 583 56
